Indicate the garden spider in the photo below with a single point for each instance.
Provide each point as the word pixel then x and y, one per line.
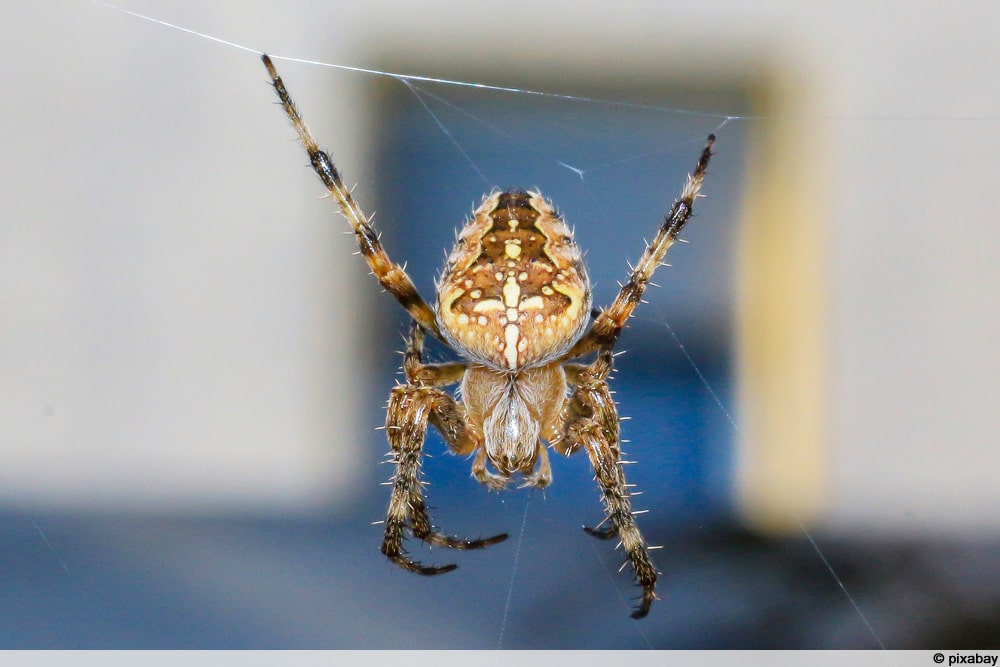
pixel 513 302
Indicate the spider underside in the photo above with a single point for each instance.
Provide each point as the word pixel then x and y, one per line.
pixel 513 302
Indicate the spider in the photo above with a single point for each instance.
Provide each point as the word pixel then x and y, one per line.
pixel 514 302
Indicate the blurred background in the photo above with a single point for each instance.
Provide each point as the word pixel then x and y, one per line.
pixel 192 362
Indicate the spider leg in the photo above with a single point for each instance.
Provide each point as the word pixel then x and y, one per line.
pixel 601 533
pixel 482 474
pixel 542 477
pixel 609 323
pixel 411 408
pixel 590 419
pixel 389 274
pixel 592 423
pixel 428 375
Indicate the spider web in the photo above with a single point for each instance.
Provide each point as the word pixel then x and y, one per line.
pixel 551 141
pixel 450 118
pixel 473 132
pixel 501 136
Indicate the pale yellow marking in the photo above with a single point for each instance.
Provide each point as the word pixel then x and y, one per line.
pixel 546 290
pixel 511 293
pixel 476 294
pixel 463 319
pixel 512 250
pixel 483 320
pixel 532 303
pixel 448 297
pixel 539 318
pixel 512 314
pixel 573 309
pixel 513 222
pixel 522 276
pixel 498 275
pixel 487 305
pixel 511 333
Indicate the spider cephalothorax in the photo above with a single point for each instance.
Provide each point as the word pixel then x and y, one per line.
pixel 513 302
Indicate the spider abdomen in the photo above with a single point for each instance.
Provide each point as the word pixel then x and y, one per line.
pixel 514 292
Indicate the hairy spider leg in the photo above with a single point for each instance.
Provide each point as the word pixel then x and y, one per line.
pixel 592 424
pixel 591 419
pixel 411 407
pixel 609 323
pixel 389 274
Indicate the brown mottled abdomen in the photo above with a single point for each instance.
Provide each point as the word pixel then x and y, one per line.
pixel 514 292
